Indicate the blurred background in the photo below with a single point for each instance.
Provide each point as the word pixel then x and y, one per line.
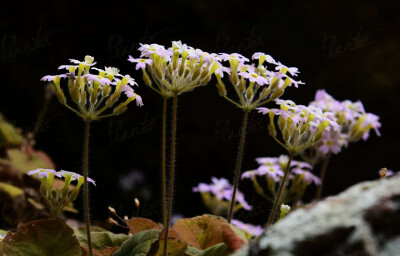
pixel 349 48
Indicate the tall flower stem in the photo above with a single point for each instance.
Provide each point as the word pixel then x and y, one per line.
pixel 278 196
pixel 238 164
pixel 163 164
pixel 322 176
pixel 85 185
pixel 172 171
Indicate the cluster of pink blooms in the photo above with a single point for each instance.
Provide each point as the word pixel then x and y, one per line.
pixel 274 167
pixel 355 122
pixel 223 191
pixel 109 76
pixel 60 174
pixel 254 230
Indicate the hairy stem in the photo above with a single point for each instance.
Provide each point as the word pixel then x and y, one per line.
pixel 85 185
pixel 278 196
pixel 42 114
pixel 322 176
pixel 163 164
pixel 172 172
pixel 238 164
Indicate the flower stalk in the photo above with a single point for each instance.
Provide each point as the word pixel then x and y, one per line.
pixel 172 171
pixel 322 174
pixel 278 195
pixel 85 185
pixel 238 164
pixel 163 159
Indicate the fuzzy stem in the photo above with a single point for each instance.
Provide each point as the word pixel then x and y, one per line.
pixel 278 196
pixel 322 176
pixel 238 164
pixel 85 186
pixel 163 164
pixel 172 172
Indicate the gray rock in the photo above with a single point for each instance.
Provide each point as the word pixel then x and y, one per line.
pixel 363 220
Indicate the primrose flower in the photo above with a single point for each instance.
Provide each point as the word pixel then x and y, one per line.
pixel 141 63
pixel 93 93
pixel 263 57
pixel 218 195
pixel 74 176
pixel 44 173
pixel 254 230
pixel 255 85
pixel 253 77
pixel 355 121
pixel 301 126
pixel 307 176
pixel 179 69
pixel 87 62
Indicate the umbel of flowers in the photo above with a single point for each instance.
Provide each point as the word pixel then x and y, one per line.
pixel 172 72
pixel 217 196
pixel 271 170
pixel 355 124
pixel 93 94
pixel 58 199
pixel 254 85
pixel 301 127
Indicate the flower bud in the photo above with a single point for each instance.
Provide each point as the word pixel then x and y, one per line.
pixel 121 108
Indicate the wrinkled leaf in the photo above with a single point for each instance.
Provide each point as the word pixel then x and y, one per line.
pixel 100 240
pixel 202 231
pixel 176 246
pixel 137 225
pixel 216 250
pixel 233 237
pixel 25 162
pixel 11 190
pixel 108 251
pixel 138 244
pixel 42 237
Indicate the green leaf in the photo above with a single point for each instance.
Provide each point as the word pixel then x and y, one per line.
pixel 201 232
pixel 42 237
pixel 9 136
pixel 137 225
pixel 216 250
pixel 192 251
pixel 139 244
pixel 25 163
pixel 108 251
pixel 100 240
pixel 11 190
pixel 176 246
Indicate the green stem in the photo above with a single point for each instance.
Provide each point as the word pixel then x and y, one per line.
pixel 322 176
pixel 238 164
pixel 172 172
pixel 278 196
pixel 85 186
pixel 163 164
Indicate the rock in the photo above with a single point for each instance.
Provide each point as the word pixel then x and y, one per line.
pixel 363 220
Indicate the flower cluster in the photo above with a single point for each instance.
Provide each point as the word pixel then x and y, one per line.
pixel 356 123
pixel 254 230
pixel 217 196
pixel 175 70
pixel 301 126
pixel 255 85
pixel 94 93
pixel 59 199
pixel 271 170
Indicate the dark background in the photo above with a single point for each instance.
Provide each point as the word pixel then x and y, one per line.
pixel 349 48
